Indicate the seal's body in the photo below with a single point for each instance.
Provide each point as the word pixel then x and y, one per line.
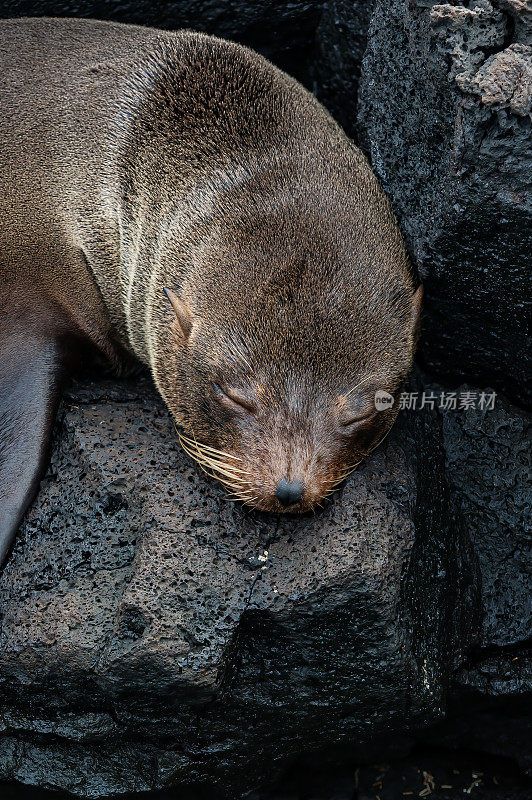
pixel 134 160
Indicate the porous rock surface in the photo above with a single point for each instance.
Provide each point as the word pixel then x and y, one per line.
pixel 488 468
pixel 444 114
pixel 154 633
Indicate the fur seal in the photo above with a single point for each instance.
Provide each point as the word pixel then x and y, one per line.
pixel 135 161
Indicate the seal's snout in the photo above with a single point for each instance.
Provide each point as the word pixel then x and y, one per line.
pixel 289 492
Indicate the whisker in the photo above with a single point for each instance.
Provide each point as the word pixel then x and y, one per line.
pixel 349 472
pixel 364 380
pixel 193 442
pixel 224 471
pixel 219 466
pixel 239 493
pixel 205 466
pixel 209 448
pixel 380 440
pixel 336 481
pixel 241 497
pixel 197 453
pixel 215 463
pixel 249 500
pixel 235 487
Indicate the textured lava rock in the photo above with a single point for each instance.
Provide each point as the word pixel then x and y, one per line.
pixel 153 633
pixel 444 112
pixel 488 464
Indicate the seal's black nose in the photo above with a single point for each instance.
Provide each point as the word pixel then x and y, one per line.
pixel 289 492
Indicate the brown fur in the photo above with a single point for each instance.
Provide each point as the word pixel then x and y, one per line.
pixel 136 159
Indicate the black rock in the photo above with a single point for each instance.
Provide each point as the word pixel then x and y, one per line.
pixel 154 633
pixel 488 465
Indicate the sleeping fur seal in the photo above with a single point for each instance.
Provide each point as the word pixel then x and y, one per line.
pixel 135 161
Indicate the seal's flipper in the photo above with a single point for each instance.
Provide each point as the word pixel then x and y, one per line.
pixel 29 392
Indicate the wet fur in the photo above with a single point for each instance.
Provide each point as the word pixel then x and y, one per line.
pixel 134 159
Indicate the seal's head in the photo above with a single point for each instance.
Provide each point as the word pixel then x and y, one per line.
pixel 294 301
pixel 278 361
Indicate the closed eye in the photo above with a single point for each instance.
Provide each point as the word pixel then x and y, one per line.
pixel 359 420
pixel 231 399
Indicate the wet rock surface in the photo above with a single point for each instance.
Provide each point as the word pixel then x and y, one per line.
pixel 154 633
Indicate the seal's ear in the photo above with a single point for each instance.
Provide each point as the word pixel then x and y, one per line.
pixel 416 307
pixel 184 317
